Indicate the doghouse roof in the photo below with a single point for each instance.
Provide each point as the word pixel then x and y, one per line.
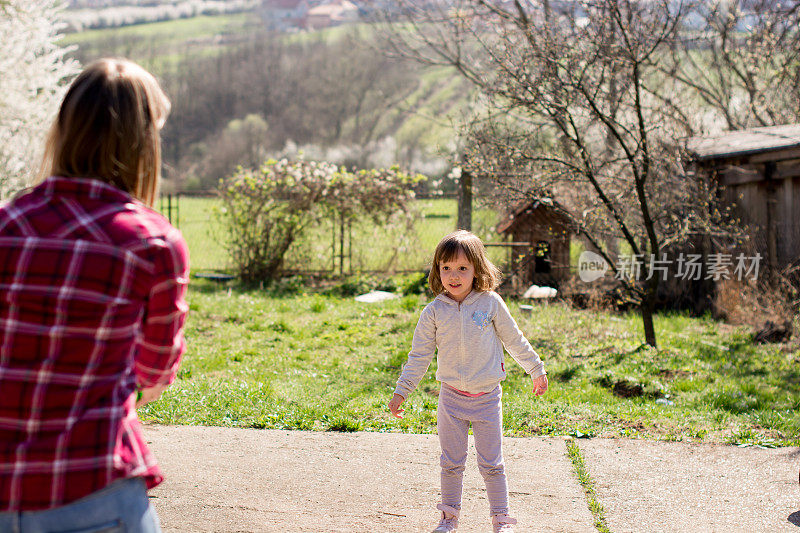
pixel 542 208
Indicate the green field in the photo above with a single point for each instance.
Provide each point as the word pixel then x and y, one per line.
pixel 373 248
pixel 305 359
pixel 159 45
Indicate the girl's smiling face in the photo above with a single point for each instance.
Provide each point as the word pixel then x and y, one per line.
pixel 457 276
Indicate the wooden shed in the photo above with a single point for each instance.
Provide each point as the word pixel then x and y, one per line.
pixel 540 235
pixel 759 171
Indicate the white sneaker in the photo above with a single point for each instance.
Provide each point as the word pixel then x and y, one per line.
pixel 502 523
pixel 449 521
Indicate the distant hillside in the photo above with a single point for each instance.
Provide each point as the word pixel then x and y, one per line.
pixel 96 14
pixel 329 93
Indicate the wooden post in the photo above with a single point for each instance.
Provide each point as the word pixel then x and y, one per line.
pixel 169 208
pixel 333 243
pixel 465 201
pixel 771 207
pixel 350 247
pixel 341 247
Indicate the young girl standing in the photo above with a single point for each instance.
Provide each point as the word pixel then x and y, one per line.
pixel 469 324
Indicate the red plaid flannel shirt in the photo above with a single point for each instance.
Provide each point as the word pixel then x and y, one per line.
pixel 92 305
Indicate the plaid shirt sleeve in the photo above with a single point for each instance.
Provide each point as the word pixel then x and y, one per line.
pixel 162 341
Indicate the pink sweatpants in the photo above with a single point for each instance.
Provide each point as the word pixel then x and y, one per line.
pixel 454 415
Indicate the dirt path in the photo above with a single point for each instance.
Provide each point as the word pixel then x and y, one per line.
pixel 226 480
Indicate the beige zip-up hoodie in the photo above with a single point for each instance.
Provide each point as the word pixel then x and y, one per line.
pixel 470 337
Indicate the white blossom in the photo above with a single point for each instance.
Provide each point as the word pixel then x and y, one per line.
pixel 32 71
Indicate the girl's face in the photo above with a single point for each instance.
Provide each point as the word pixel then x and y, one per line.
pixel 457 276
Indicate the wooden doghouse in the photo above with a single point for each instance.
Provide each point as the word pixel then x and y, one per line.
pixel 759 171
pixel 540 244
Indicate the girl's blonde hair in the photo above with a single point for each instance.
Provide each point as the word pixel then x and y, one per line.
pixel 487 276
pixel 108 129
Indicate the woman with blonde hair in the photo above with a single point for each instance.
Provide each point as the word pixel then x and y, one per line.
pixel 92 284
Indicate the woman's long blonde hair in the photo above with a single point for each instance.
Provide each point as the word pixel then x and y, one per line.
pixel 487 276
pixel 108 129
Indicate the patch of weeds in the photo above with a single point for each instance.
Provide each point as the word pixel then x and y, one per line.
pixel 745 437
pixel 732 401
pixel 564 373
pixel 413 284
pixel 585 479
pixel 410 303
pixel 395 362
pixel 342 425
pixel 318 306
pixel 289 285
pixel 352 286
pixel 280 327
pixel 625 387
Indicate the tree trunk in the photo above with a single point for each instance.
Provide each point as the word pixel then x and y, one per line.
pixel 648 308
pixel 649 330
pixel 465 201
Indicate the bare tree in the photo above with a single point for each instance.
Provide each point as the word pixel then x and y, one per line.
pixel 740 61
pixel 308 91
pixel 578 113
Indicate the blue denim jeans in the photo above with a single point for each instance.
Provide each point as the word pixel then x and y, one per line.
pixel 121 507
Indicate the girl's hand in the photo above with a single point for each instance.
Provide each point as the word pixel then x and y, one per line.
pixel 540 385
pixel 394 405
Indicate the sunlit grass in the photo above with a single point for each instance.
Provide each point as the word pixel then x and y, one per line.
pixel 318 362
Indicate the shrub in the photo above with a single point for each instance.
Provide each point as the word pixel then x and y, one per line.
pixel 267 211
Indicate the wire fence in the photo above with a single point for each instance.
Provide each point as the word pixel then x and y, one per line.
pixel 365 248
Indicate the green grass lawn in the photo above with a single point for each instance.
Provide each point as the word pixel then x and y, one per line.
pixel 318 362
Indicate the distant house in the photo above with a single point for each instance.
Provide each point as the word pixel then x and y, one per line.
pixel 330 14
pixel 759 170
pixel 540 235
pixel 283 14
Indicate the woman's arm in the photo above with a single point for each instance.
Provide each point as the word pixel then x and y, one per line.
pixel 162 343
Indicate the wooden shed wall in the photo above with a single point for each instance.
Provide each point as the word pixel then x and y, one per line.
pixel 770 204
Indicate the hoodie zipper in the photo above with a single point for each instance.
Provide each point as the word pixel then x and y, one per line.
pixel 463 385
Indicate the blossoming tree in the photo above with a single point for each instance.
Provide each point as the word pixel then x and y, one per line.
pixel 32 69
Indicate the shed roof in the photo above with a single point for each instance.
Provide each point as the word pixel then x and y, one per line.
pixel 745 142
